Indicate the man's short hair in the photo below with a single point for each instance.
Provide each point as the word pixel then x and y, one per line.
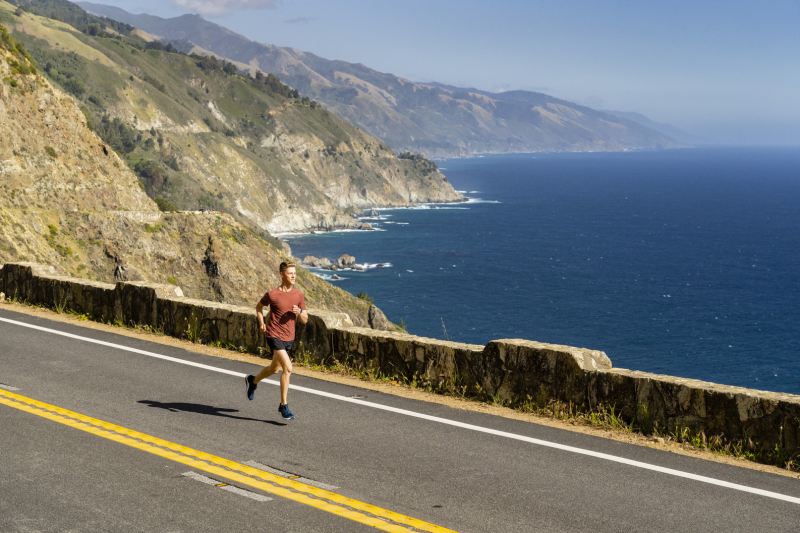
pixel 286 265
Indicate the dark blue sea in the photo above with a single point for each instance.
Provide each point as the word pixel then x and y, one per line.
pixel 683 262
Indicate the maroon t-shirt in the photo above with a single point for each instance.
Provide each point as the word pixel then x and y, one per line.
pixel 281 319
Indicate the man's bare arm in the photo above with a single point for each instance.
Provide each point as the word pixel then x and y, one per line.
pixel 260 317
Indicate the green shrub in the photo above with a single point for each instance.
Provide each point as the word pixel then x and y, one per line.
pixel 74 86
pixel 164 204
pixel 366 297
pixel 122 138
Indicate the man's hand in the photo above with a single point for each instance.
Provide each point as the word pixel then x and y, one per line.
pixel 298 313
pixel 260 317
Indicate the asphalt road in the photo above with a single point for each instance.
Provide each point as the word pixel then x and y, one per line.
pixel 458 470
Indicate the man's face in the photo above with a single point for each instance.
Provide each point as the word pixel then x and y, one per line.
pixel 289 275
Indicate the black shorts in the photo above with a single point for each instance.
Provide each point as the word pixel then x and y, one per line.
pixel 277 344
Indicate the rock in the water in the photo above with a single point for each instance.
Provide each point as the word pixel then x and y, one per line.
pixel 346 261
pixel 317 262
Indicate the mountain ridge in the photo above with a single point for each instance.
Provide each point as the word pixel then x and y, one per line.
pixel 436 119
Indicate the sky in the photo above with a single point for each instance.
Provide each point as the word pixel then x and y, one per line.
pixel 727 72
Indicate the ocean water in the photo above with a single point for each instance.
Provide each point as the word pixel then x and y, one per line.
pixel 682 262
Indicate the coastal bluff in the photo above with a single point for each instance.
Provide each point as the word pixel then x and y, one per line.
pixel 512 372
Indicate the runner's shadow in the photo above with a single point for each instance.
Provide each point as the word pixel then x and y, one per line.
pixel 203 410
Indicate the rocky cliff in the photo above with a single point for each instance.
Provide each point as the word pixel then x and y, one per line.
pixel 68 200
pixel 202 135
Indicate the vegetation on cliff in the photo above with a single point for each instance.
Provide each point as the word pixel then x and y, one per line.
pixel 18 58
pixel 202 134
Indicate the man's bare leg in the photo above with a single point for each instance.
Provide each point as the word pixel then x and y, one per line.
pixel 268 370
pixel 280 360
pixel 286 366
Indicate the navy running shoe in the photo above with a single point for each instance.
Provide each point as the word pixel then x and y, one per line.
pixel 251 386
pixel 283 409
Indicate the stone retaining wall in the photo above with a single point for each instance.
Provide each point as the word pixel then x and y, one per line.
pixel 514 372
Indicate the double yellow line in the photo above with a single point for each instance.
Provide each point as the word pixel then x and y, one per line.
pixel 324 500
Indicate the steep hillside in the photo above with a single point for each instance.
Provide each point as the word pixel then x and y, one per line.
pixel 68 200
pixel 201 135
pixel 435 119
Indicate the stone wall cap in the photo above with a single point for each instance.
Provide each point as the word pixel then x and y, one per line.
pixel 397 335
pixel 708 385
pixel 37 269
pixel 332 319
pixel 586 358
pixel 81 281
pixel 209 304
pixel 162 290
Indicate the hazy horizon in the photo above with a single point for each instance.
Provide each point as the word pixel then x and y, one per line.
pixel 725 73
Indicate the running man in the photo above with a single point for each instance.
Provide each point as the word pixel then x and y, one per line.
pixel 286 304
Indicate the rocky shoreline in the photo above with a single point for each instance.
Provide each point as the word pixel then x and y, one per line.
pixel 358 221
pixel 343 262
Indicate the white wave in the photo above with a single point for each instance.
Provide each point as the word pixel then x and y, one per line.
pixel 435 207
pixel 450 205
pixel 290 234
pixel 417 207
pixel 374 217
pixel 329 277
pixel 363 267
pixel 482 201
pixel 349 230
pixel 400 208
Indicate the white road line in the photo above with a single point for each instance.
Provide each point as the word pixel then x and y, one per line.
pixel 224 486
pixel 440 420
